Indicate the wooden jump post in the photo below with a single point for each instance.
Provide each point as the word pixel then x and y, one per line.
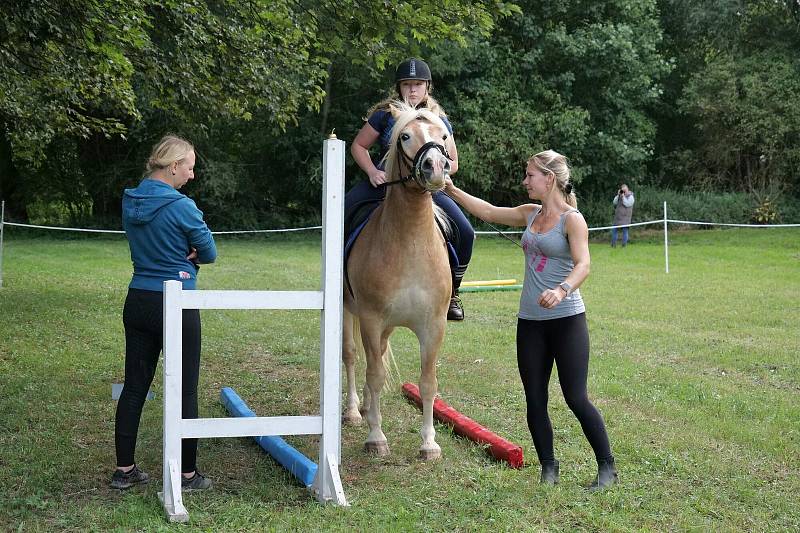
pixel 327 485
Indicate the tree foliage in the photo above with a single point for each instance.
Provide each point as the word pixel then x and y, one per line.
pixel 63 70
pixel 89 72
pixel 734 109
pixel 575 76
pixel 668 93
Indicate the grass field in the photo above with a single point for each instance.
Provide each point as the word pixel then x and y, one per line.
pixel 696 373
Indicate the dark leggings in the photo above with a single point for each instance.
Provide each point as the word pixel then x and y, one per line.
pixel 565 341
pixel 143 320
pixel 364 193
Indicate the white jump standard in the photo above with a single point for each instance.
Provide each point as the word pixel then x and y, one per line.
pixel 327 486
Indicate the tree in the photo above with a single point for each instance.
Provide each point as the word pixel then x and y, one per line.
pixel 730 117
pixel 89 72
pixel 576 76
pixel 747 115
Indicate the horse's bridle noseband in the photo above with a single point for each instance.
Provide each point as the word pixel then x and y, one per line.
pixel 416 163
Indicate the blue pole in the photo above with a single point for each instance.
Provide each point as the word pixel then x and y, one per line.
pixel 300 466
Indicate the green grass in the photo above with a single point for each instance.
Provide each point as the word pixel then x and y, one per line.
pixel 695 372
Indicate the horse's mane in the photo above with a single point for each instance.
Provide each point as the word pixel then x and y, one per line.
pixel 403 114
pixel 385 105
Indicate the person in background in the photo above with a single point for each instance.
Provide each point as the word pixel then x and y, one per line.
pixel 413 85
pixel 551 324
pixel 623 211
pixel 168 239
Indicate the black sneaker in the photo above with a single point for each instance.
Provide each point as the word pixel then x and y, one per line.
pixel 125 480
pixel 455 311
pixel 197 482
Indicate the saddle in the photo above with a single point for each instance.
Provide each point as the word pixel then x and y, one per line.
pixel 358 215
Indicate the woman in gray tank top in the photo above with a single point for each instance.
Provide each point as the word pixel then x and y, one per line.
pixel 551 324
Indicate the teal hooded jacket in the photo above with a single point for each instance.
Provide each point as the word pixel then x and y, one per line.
pixel 162 226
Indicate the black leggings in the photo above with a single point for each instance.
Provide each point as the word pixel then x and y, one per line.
pixel 565 341
pixel 143 320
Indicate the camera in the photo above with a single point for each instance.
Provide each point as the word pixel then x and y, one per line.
pixel 620 191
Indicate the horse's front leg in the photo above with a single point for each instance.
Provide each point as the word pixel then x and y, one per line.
pixel 429 343
pixel 374 345
pixel 351 414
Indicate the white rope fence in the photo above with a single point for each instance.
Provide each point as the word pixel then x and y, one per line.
pixel 659 221
pixel 665 221
pixel 90 230
pixel 84 230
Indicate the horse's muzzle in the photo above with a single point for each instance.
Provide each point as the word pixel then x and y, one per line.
pixel 434 167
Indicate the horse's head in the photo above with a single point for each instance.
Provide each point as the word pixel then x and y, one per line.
pixel 417 151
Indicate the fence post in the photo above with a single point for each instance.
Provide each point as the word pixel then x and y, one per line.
pixel 666 240
pixel 327 485
pixel 173 408
pixel 2 218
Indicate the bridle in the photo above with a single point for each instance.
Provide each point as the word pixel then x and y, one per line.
pixel 416 163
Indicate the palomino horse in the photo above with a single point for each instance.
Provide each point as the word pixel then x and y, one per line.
pixel 398 274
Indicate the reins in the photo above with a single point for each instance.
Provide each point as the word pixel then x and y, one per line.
pixel 492 226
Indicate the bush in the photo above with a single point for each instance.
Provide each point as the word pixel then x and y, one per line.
pixel 731 207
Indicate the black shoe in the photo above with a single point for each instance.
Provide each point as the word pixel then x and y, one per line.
pixel 606 476
pixel 549 472
pixel 197 482
pixel 125 480
pixel 456 310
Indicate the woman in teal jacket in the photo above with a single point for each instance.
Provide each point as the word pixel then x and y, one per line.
pixel 168 240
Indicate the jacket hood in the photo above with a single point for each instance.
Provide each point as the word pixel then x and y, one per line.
pixel 142 204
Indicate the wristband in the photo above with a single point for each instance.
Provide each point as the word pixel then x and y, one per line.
pixel 566 287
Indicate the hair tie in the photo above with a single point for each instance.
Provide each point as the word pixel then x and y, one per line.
pixel 568 188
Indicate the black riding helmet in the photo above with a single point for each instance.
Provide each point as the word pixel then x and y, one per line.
pixel 412 69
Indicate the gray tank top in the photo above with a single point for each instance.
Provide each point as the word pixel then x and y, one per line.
pixel 548 262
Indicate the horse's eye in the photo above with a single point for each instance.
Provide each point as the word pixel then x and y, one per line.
pixel 404 136
pixel 444 137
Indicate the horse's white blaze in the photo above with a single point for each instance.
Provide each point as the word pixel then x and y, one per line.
pixel 430 132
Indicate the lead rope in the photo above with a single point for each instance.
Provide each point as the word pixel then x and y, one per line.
pixel 491 226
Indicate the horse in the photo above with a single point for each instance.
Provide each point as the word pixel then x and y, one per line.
pixel 398 274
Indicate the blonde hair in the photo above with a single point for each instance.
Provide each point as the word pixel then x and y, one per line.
pixel 552 162
pixel 428 103
pixel 170 149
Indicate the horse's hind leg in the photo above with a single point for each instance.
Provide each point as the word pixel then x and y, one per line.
pixel 351 413
pixel 429 343
pixel 374 345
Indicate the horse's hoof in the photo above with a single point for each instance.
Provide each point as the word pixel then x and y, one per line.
pixel 352 418
pixel 380 449
pixel 430 455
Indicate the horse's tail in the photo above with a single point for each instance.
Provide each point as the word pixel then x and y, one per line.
pixel 388 356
